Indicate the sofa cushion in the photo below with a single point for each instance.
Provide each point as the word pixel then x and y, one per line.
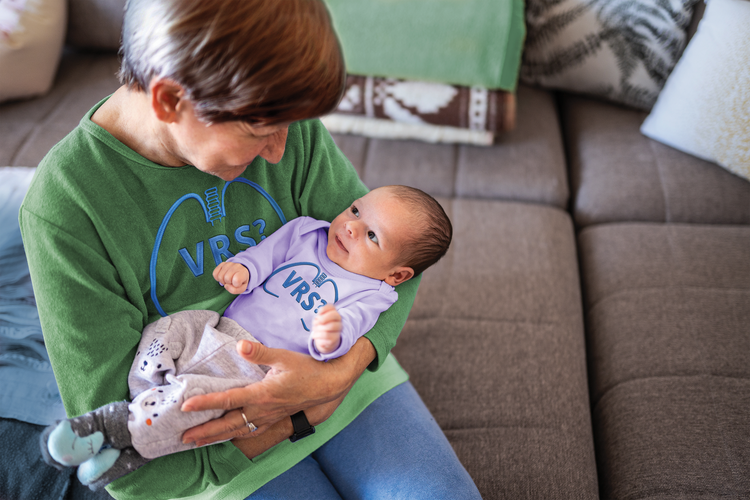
pixel 527 164
pixel 495 347
pixel 28 129
pixel 667 315
pixel 617 174
pixel 674 438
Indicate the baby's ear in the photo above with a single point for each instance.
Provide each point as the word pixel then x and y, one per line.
pixel 399 275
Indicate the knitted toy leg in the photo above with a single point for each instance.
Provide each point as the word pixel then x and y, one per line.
pixel 93 441
pixel 73 441
pixel 97 472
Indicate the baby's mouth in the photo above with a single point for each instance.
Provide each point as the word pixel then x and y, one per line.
pixel 341 245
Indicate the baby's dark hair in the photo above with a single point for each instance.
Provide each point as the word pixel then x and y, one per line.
pixel 436 233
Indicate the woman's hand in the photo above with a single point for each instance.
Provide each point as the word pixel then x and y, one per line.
pixel 295 382
pixel 281 430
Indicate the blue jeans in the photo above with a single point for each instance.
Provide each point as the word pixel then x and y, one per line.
pixel 393 450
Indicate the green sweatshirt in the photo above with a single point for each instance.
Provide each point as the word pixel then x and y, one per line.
pixel 114 241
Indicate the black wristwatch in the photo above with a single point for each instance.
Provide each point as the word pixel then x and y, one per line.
pixel 302 427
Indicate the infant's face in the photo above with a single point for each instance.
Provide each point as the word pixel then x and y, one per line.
pixel 368 237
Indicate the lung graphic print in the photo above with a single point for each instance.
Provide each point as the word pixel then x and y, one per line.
pixel 213 205
pixel 305 284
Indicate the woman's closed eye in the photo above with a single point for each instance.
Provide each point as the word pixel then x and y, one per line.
pixel 372 236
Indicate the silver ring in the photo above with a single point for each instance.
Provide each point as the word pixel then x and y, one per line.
pixel 249 425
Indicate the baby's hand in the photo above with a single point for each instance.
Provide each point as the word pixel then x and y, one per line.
pixel 234 277
pixel 326 331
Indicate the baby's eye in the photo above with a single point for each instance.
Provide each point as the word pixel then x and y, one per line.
pixel 355 211
pixel 372 236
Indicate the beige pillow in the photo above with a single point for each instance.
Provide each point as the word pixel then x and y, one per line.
pixel 31 40
pixel 704 109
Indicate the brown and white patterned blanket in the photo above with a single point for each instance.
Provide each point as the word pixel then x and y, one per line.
pixel 416 103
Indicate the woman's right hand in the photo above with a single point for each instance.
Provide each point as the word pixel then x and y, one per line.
pixel 232 276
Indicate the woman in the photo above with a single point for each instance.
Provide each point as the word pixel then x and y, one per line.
pixel 200 154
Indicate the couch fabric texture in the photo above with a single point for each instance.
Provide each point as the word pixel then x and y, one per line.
pixel 588 333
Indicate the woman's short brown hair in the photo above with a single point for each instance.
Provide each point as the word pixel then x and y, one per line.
pixel 260 61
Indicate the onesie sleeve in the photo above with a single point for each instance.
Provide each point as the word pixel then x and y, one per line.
pixel 358 316
pixel 327 187
pixel 261 259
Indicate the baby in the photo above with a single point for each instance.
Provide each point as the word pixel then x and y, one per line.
pixel 310 287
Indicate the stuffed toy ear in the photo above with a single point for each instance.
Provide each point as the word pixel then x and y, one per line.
pixel 65 448
pixel 43 440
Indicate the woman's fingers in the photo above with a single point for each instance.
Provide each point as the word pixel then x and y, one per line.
pixel 255 352
pixel 225 400
pixel 230 426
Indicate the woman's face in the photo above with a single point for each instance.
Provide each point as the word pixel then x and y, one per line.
pixel 224 149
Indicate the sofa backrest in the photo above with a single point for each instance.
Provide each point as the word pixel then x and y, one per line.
pixel 95 24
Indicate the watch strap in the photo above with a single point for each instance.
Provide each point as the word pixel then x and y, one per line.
pixel 302 427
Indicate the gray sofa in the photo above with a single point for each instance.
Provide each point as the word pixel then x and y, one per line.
pixel 588 333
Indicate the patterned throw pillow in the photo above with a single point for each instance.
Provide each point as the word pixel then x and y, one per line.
pixel 704 109
pixel 621 50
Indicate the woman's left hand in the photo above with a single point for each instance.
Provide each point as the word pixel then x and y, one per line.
pixel 281 430
pixel 295 382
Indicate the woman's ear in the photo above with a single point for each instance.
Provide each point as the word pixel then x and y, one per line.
pixel 399 275
pixel 165 99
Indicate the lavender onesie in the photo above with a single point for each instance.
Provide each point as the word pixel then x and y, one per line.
pixel 291 277
pixel 192 352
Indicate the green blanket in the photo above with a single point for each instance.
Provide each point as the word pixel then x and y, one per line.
pixel 461 42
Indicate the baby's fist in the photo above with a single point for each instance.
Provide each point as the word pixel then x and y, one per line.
pixel 326 331
pixel 234 277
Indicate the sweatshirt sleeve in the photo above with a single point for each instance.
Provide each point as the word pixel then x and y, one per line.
pixel 76 298
pixel 326 188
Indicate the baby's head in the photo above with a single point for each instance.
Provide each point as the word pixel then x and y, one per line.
pixel 391 234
